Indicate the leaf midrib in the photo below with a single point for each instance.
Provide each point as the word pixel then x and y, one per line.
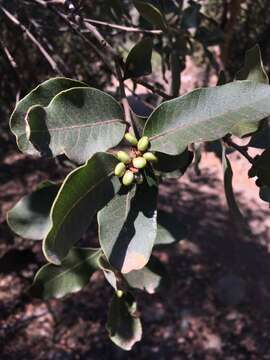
pixel 182 126
pixel 72 267
pixel 79 126
pixel 75 204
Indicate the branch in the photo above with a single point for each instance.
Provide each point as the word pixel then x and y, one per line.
pixel 74 28
pixel 241 149
pixel 14 67
pixel 33 39
pixel 124 28
pixel 154 89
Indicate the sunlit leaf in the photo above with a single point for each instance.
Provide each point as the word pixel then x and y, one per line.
pixel 124 325
pixel 78 122
pixel 41 95
pixel 84 192
pixel 127 227
pixel 150 278
pixel 228 187
pixel 254 70
pixel 206 114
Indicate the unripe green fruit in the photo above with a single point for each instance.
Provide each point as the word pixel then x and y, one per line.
pixel 131 139
pixel 143 143
pixel 128 178
pixel 120 169
pixel 138 178
pixel 123 157
pixel 119 293
pixel 150 156
pixel 139 162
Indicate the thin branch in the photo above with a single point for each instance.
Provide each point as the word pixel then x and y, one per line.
pixel 241 149
pixel 118 62
pixel 33 39
pixel 124 28
pixel 154 89
pixel 102 41
pixel 74 28
pixel 13 65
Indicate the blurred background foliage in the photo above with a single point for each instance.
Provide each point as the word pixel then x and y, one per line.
pixel 41 39
pixel 234 25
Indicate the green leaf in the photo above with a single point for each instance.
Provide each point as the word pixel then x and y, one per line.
pixel 197 158
pixel 41 95
pixel 265 193
pixel 261 168
pixel 151 14
pixel 261 139
pixel 138 123
pixel 169 229
pixel 150 278
pixel 127 228
pixel 29 218
pixel 209 36
pixel 206 114
pixel 110 274
pixel 235 212
pixel 78 122
pixel 253 68
pixel 138 62
pixel 172 166
pixel 85 191
pixel 124 325
pixel 53 281
pixel 191 16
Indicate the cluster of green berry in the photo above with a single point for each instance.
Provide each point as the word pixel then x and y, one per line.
pixel 131 164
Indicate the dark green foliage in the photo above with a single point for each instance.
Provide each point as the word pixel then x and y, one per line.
pixel 66 117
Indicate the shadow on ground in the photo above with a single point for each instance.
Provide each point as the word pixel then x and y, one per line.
pixel 217 305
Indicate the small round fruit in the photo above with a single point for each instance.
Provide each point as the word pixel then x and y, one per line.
pixel 119 293
pixel 120 169
pixel 143 143
pixel 150 156
pixel 128 178
pixel 131 139
pixel 123 157
pixel 139 162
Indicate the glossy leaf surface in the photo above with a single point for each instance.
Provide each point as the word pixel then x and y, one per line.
pixel 78 122
pixel 127 228
pixel 41 95
pixel 29 218
pixel 138 62
pixel 206 114
pixel 53 281
pixel 151 13
pixel 84 192
pixel 124 325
